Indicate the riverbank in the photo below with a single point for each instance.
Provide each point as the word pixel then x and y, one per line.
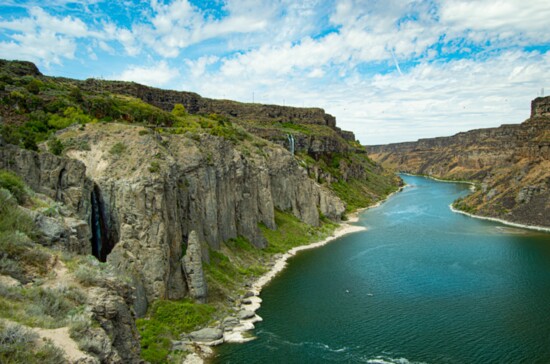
pixel 472 188
pixel 508 223
pixel 281 261
pixel 240 327
pixel 472 184
pixel 415 256
pixel 238 330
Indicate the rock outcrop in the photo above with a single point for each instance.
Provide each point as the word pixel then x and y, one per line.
pixel 511 165
pixel 63 180
pixel 192 268
pixel 196 104
pixel 117 339
pixel 201 183
pixel 256 118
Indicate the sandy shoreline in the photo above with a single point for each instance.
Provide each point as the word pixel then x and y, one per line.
pixel 509 223
pixel 280 264
pixel 239 333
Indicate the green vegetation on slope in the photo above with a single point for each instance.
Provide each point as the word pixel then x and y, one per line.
pixel 34 108
pixel 18 345
pixel 353 177
pixel 238 262
pixel 291 232
pixel 27 262
pixel 165 321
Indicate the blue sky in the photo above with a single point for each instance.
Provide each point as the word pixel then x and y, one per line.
pixel 389 70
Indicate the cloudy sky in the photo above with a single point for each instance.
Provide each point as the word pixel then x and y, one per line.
pixel 389 70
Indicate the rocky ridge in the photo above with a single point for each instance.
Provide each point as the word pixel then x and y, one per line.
pixel 510 165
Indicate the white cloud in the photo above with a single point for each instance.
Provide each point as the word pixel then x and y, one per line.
pixel 42 37
pixel 463 62
pixel 157 75
pixel 41 46
pixel 516 20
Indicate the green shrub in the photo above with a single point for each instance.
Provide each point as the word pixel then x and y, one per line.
pixel 154 167
pixel 77 144
pixel 165 322
pixel 118 149
pixel 13 183
pixel 12 219
pixel 88 276
pixel 76 94
pixel 34 86
pixel 55 146
pixel 59 122
pixel 71 115
pixel 18 345
pixel 179 110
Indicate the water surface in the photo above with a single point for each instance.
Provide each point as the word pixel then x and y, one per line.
pixel 423 284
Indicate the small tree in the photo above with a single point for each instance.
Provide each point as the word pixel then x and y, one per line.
pixel 179 110
pixel 55 146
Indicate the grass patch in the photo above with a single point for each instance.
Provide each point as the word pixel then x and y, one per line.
pixel 165 321
pixel 291 232
pixel 460 204
pixel 36 306
pixel 18 345
pixel 238 261
pixel 118 149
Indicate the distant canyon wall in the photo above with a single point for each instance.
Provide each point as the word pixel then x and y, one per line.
pixel 511 165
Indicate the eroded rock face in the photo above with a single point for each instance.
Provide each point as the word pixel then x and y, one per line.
pixel 63 180
pixel 511 163
pixel 204 184
pixel 540 107
pixel 192 268
pixel 118 338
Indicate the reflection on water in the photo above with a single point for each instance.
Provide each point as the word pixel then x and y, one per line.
pixel 423 284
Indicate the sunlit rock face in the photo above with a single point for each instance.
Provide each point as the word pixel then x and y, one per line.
pixel 511 164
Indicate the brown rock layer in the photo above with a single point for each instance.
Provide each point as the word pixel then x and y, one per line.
pixel 511 165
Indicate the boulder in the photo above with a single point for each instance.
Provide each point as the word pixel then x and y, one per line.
pixel 230 321
pixel 245 314
pixel 207 334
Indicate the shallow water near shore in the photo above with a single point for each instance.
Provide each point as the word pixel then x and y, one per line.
pixel 421 285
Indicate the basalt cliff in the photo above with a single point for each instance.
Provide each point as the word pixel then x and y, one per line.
pixel 510 166
pixel 181 198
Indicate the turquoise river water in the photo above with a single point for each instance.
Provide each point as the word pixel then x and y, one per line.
pixel 421 285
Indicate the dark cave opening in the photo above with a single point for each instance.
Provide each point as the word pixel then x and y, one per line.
pixel 102 240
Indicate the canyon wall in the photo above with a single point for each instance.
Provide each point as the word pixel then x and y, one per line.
pixel 510 164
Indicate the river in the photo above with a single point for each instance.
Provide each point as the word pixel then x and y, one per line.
pixel 421 285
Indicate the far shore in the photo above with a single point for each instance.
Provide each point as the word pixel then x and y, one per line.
pixel 509 223
pixel 502 221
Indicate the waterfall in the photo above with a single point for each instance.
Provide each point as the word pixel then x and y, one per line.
pixel 291 143
pixel 104 237
pixel 96 226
